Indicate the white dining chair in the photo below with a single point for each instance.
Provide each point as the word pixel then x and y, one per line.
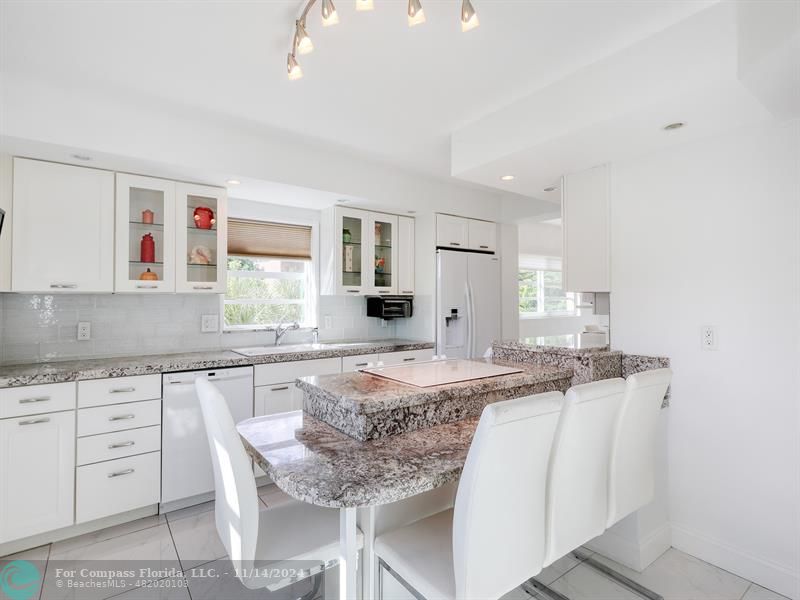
pixel 631 473
pixel 281 537
pixel 493 538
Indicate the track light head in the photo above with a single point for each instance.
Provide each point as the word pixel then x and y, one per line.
pixel 302 42
pixel 415 13
pixel 329 14
pixel 362 5
pixel 469 18
pixel 293 69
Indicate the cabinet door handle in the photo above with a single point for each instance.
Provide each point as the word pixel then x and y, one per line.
pixel 63 286
pixel 406 292
pixel 32 400
pixel 122 390
pixel 362 364
pixel 384 291
pixel 353 291
pixel 122 418
pixel 454 244
pixel 486 247
pixel 121 473
pixel 279 389
pixel 409 359
pixel 141 286
pixel 35 421
pixel 121 445
pixel 203 287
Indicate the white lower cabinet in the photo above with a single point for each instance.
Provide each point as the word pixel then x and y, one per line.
pixel 37 474
pixel 278 398
pixel 116 486
pixel 118 444
pixel 406 356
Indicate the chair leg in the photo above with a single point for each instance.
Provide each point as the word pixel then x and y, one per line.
pixel 627 582
pixel 537 589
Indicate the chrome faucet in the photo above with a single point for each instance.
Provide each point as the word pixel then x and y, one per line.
pixel 281 329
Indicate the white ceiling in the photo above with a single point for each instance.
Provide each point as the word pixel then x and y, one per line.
pixel 372 84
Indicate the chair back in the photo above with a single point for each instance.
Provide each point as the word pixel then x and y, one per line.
pixel 498 521
pixel 577 481
pixel 631 483
pixel 236 506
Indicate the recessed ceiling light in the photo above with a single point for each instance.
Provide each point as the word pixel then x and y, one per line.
pixel 233 182
pixel 674 126
pixel 550 188
pixel 81 157
pixel 507 177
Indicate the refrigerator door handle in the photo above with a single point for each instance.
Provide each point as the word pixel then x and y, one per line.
pixel 470 319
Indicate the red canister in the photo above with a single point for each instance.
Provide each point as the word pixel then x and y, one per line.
pixel 148 249
pixel 204 217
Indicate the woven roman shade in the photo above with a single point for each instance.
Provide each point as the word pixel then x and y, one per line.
pixel 274 240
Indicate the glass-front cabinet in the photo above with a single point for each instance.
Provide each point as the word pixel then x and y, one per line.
pixel 200 241
pixel 145 234
pixel 365 252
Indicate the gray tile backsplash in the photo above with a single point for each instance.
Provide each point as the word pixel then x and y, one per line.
pixel 35 328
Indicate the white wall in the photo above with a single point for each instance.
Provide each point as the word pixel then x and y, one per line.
pixel 709 234
pixel 540 239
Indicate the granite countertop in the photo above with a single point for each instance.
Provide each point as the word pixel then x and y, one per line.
pixel 100 368
pixel 365 394
pixel 313 462
pixel 555 344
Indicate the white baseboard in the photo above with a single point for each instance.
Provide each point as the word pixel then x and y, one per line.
pixel 655 544
pixel 635 554
pixel 773 576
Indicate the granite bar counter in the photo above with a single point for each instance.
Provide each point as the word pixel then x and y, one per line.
pixel 101 368
pixel 368 407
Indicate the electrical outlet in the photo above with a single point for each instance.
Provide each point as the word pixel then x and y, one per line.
pixel 328 322
pixel 84 331
pixel 209 323
pixel 708 338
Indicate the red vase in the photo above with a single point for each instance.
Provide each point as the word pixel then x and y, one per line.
pixel 203 217
pixel 148 249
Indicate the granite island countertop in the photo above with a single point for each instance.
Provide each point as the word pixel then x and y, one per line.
pixel 313 462
pixel 365 406
pixel 101 368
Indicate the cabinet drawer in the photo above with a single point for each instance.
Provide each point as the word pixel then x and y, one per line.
pixel 36 399
pixel 278 398
pixel 406 356
pixel 108 446
pixel 105 419
pixel 99 392
pixel 354 363
pixel 289 371
pixel 116 486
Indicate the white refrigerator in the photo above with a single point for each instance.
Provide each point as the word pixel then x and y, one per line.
pixel 467 303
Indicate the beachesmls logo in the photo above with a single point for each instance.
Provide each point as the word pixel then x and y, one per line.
pixel 19 580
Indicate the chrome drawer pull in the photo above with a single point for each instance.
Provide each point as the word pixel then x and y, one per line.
pixel 384 291
pixel 408 359
pixel 454 244
pixel 63 286
pixel 120 473
pixel 146 287
pixel 35 421
pixel 352 291
pixel 121 445
pixel 487 247
pixel 203 287
pixel 406 292
pixel 122 390
pixel 122 418
pixel 279 389
pixel 32 400
pixel 362 364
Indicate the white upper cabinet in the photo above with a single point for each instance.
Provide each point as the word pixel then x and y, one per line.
pixel 452 232
pixel 585 221
pixel 201 239
pixel 482 235
pixel 360 252
pixel 63 228
pixel 145 234
pixel 405 255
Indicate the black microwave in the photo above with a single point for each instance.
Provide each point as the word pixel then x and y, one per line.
pixel 390 307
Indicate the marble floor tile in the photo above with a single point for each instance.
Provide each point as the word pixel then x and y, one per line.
pixel 151 547
pixel 552 572
pixel 756 592
pixel 584 583
pixel 108 533
pixel 273 496
pixel 678 576
pixel 190 511
pixel 196 539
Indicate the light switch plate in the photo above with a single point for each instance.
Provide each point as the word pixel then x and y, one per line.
pixel 209 324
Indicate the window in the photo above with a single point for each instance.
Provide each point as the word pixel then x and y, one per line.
pixel 270 275
pixel 541 294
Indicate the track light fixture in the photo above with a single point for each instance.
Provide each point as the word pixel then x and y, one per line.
pixel 301 42
pixel 415 13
